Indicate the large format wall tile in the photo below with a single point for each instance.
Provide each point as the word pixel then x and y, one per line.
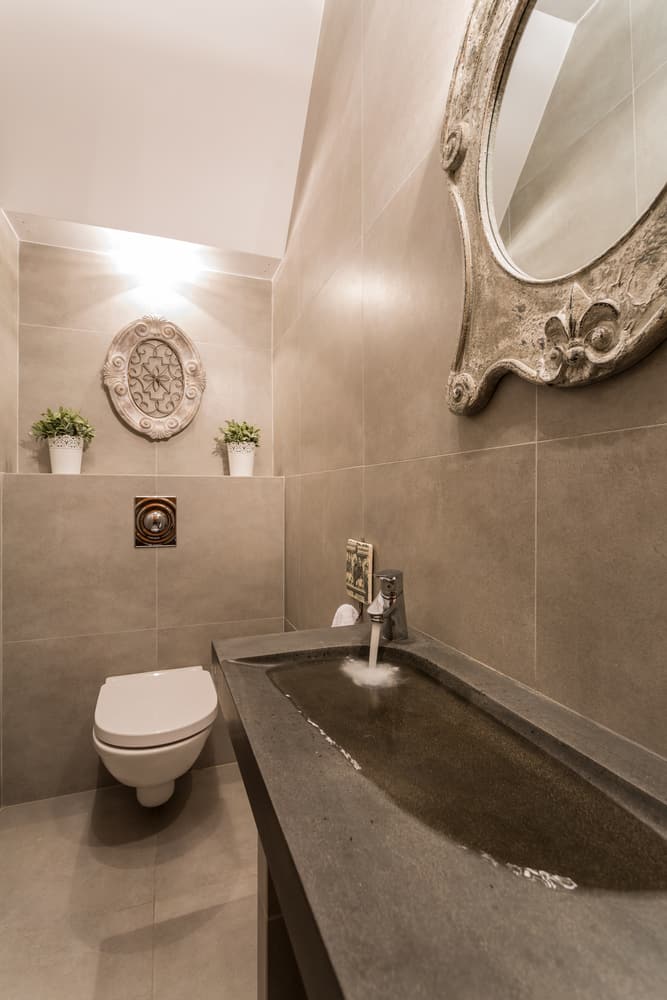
pixel 228 563
pixel 331 374
pixel 63 368
pixel 238 387
pixel 292 549
pixel 602 578
pixel 191 644
pixel 72 305
pixel 70 566
pixel 50 691
pixel 9 284
pixel 413 290
pixel 77 290
pixel 326 215
pixel 409 51
pixel 462 530
pixel 331 512
pixel 287 404
pixel 634 398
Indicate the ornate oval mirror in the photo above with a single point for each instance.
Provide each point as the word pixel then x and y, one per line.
pixel 554 143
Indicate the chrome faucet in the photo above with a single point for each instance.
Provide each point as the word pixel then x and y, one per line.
pixel 389 605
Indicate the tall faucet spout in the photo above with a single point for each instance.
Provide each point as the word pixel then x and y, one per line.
pixel 389 606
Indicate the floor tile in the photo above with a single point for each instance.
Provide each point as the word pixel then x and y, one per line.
pixel 199 924
pixel 87 853
pixel 209 839
pixel 105 957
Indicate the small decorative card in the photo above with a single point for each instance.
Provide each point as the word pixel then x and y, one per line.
pixel 359 570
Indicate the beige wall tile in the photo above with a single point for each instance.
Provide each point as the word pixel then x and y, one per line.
pixel 191 644
pixel 293 525
pixel 69 559
pixel 63 368
pixel 331 373
pixel 238 387
pixel 8 344
pixel 228 561
pixel 631 399
pixel 228 316
pixel 50 691
pixel 413 291
pixel 287 403
pixel 601 580
pixel 326 216
pixel 409 52
pixel 287 290
pixel 331 512
pixel 80 290
pixel 462 530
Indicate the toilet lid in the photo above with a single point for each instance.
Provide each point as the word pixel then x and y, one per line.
pixel 152 709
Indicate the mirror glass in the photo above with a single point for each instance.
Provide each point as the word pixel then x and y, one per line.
pixel 579 150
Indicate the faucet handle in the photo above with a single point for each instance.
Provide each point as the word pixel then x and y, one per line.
pixel 391 582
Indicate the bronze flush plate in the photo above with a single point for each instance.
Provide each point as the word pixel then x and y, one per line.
pixel 154 522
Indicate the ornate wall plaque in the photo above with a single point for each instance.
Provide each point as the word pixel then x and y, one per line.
pixel 567 331
pixel 154 376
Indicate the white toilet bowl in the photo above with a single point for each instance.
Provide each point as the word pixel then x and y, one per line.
pixel 150 728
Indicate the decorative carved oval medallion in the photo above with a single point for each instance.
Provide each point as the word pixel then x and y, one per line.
pixel 155 377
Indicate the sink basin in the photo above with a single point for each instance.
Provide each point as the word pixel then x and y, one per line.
pixel 468 776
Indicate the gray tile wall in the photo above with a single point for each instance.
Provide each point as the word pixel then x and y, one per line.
pixel 72 305
pixel 8 382
pixel 80 602
pixel 532 535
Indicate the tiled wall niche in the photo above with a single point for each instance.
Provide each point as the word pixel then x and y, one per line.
pixel 80 601
pixel 532 535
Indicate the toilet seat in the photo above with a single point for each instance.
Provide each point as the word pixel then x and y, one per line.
pixel 156 708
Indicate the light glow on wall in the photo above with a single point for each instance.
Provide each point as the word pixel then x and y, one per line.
pixel 159 267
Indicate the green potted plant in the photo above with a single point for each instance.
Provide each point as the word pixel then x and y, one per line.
pixel 66 432
pixel 240 439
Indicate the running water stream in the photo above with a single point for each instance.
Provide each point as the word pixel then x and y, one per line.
pixel 376 629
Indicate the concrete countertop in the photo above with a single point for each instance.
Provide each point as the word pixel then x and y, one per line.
pixel 381 907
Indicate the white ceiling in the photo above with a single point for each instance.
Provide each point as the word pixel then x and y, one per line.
pixel 176 118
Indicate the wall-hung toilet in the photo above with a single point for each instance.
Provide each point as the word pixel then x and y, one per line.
pixel 150 728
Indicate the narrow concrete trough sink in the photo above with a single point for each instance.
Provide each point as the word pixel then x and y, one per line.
pixel 439 829
pixel 463 773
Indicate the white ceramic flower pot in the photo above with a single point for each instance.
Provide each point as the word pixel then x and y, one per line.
pixel 65 453
pixel 241 459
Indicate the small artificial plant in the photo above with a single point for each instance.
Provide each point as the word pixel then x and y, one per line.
pixel 237 433
pixel 60 423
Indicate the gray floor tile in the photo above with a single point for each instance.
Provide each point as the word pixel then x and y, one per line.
pixel 210 839
pixel 99 895
pixel 86 957
pixel 200 924
pixel 90 852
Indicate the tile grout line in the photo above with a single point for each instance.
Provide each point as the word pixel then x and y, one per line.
pixel 478 451
pixel 136 631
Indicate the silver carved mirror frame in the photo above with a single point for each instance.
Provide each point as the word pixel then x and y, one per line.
pixel 565 332
pixel 154 376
